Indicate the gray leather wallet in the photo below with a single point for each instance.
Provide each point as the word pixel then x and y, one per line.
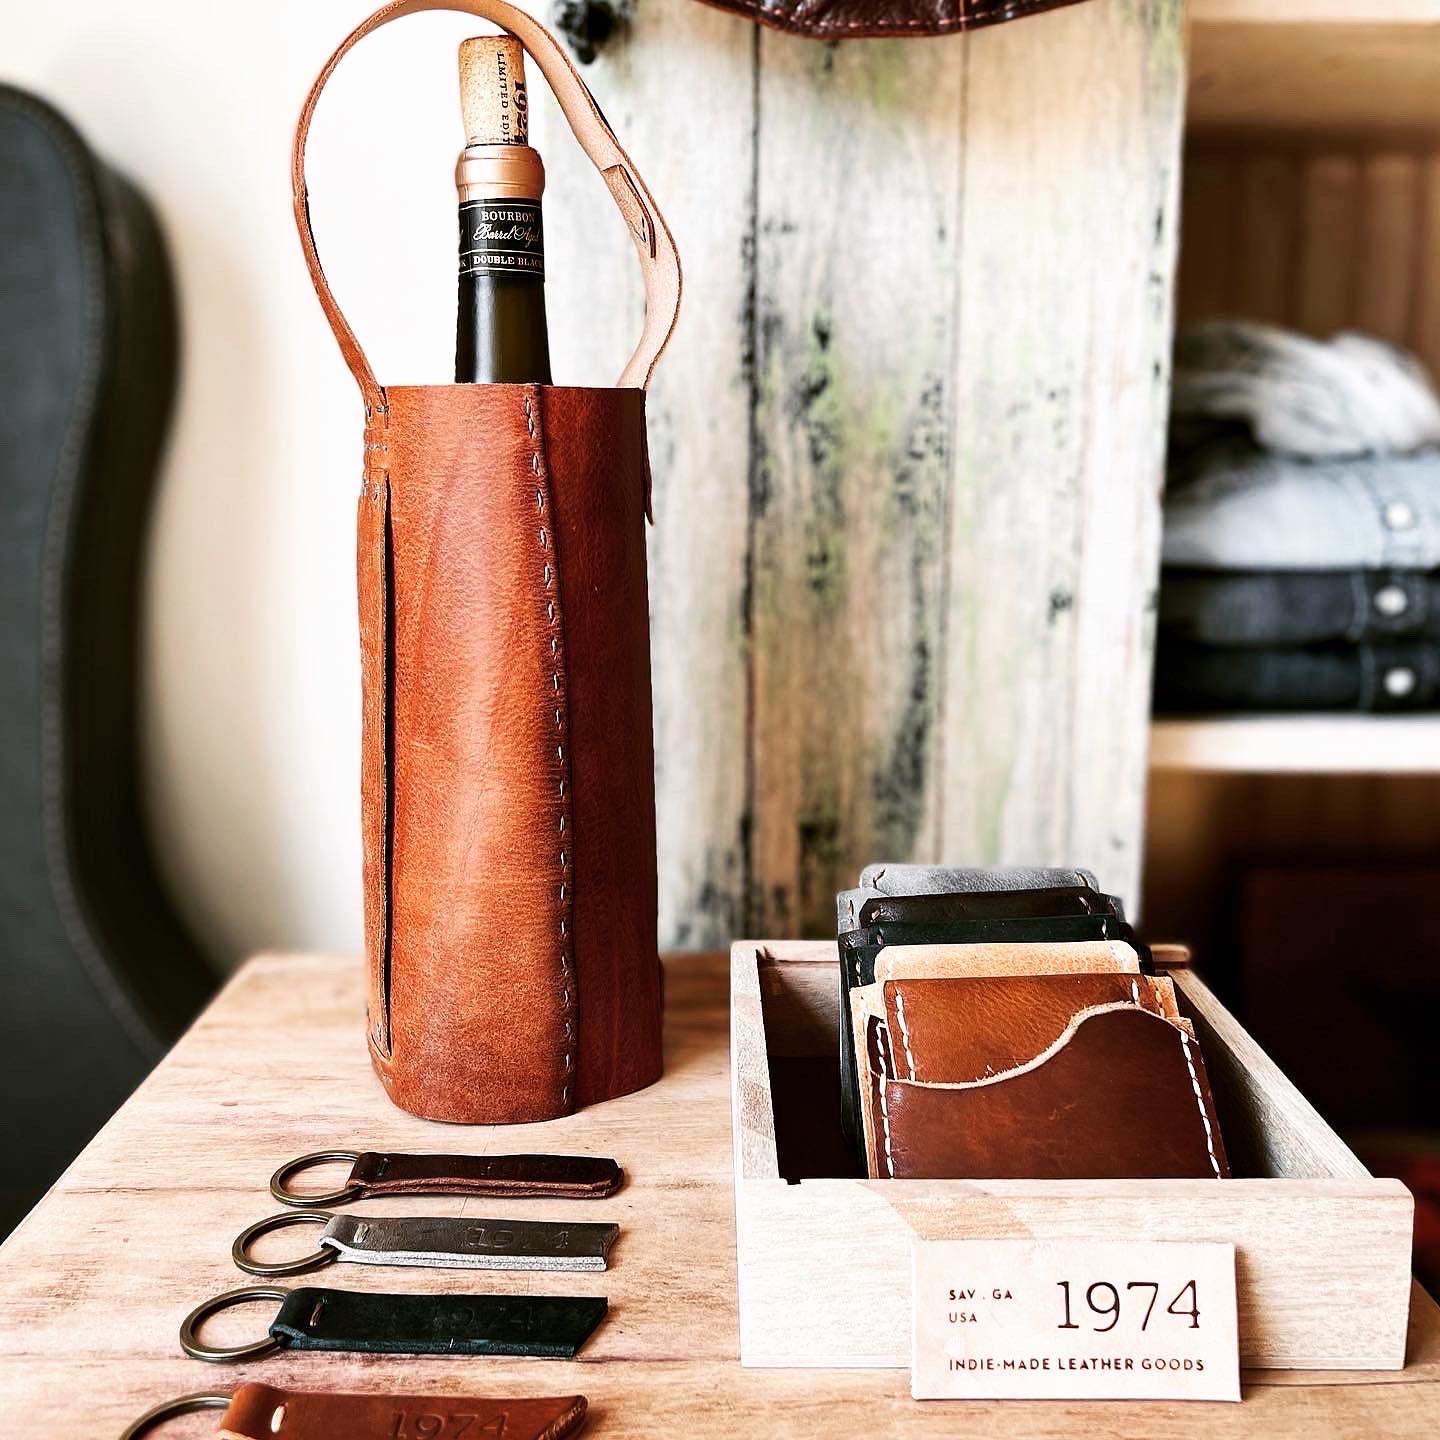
pixel 907 879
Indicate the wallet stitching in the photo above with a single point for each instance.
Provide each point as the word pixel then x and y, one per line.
pixel 905 1030
pixel 884 1030
pixel 1200 1104
pixel 563 844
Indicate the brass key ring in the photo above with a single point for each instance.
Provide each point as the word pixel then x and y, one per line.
pixel 170 1409
pixel 239 1251
pixel 190 1342
pixel 293 1167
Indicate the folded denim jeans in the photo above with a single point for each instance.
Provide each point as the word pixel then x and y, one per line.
pixel 1233 507
pixel 1298 607
pixel 1193 678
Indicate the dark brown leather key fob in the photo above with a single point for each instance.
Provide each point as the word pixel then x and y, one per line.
pixel 506 1177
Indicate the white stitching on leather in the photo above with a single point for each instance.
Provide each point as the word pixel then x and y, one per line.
pixel 884 1030
pixel 905 1030
pixel 547 577
pixel 1200 1103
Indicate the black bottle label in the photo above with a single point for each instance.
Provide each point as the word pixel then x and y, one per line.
pixel 502 237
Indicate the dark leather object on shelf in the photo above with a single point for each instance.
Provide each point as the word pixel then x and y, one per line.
pixel 856 19
pixel 97 973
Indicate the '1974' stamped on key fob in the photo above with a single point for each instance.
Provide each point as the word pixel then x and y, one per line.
pixel 1074 1320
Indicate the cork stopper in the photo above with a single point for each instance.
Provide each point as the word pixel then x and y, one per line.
pixel 492 91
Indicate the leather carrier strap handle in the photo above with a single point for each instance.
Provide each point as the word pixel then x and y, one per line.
pixel 659 261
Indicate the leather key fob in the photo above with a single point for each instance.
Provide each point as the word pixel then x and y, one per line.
pixel 550 1327
pixel 261 1412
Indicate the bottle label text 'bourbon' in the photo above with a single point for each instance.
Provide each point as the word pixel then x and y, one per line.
pixel 502 237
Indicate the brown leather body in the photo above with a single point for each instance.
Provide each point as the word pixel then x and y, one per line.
pixel 507 773
pixel 955 1031
pixel 260 1412
pixel 855 19
pixel 508 765
pixel 1126 1096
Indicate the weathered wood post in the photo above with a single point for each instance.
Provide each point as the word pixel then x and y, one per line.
pixel 908 443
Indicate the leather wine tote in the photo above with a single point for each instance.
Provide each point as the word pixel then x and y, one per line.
pixel 507 772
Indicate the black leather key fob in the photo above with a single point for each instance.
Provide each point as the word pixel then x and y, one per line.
pixel 551 1327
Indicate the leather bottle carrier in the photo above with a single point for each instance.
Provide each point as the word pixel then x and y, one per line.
pixel 507 773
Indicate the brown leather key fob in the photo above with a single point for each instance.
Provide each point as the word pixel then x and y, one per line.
pixel 509 1177
pixel 260 1412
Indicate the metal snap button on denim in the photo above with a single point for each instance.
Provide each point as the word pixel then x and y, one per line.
pixel 1399 682
pixel 1399 515
pixel 1391 601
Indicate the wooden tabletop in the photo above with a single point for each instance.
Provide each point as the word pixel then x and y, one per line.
pixel 97 1279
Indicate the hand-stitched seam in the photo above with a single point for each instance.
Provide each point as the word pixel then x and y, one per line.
pixel 1200 1104
pixel 905 1030
pixel 884 1032
pixel 556 707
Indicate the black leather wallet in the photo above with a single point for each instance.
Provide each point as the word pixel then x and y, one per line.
pixel 987 905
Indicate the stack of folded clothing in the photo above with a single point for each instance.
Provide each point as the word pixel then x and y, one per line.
pixel 1007 1023
pixel 1302 526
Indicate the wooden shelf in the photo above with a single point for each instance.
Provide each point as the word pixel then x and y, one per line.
pixel 1336 66
pixel 1315 12
pixel 1299 744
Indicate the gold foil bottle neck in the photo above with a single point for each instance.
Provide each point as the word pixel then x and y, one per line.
pixel 492 91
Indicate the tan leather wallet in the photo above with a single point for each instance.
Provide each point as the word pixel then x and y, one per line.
pixel 1031 1076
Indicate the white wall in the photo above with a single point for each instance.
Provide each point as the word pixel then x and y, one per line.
pixel 252 724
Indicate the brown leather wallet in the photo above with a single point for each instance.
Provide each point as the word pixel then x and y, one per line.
pixel 957 1032
pixel 1120 1092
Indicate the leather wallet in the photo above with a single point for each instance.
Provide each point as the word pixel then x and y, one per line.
pixel 1013 1028
pixel 859 949
pixel 1120 1093
pixel 878 881
pixel 1057 900
pixel 1051 957
pixel 961 1030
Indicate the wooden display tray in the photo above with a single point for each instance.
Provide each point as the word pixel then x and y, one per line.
pixel 1322 1247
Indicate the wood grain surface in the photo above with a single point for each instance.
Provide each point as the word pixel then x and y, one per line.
pixel 97 1279
pixel 906 442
